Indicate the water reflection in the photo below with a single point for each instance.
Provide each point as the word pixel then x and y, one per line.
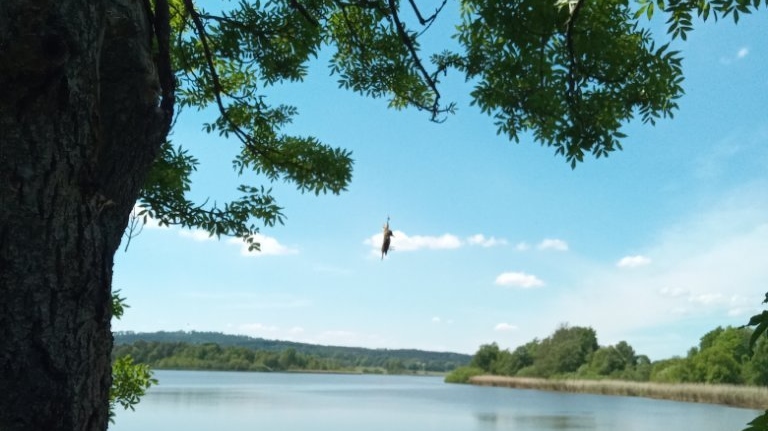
pixel 537 421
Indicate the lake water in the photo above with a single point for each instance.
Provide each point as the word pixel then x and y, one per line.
pixel 233 401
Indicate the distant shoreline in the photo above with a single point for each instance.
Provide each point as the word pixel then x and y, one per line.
pixel 750 397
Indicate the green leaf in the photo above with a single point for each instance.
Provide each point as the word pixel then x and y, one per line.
pixel 130 382
pixel 760 423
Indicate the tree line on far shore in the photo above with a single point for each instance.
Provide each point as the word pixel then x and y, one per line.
pixel 723 356
pixel 215 351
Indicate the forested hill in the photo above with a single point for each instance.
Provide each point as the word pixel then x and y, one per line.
pixel 346 357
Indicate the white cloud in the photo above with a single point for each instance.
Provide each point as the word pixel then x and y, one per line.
pixel 402 242
pixel 674 292
pixel 522 246
pixel 740 54
pixel 347 338
pixel 335 270
pixel 258 328
pixel 197 235
pixel 250 300
pixel 633 261
pixel 553 244
pixel 708 298
pixel 518 279
pixel 481 240
pixel 437 320
pixel 270 331
pixel 269 247
pixel 505 327
pixel 296 330
pixel 740 305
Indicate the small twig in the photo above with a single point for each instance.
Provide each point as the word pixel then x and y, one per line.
pixel 131 230
pixel 431 19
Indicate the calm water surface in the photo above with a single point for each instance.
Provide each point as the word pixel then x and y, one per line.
pixel 231 401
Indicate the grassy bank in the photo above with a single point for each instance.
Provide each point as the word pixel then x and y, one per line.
pixel 731 395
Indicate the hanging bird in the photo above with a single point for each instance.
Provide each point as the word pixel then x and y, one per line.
pixel 387 235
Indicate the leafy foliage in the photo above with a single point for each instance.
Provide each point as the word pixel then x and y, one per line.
pixel 760 423
pixel 570 72
pixel 760 322
pixel 722 356
pixel 680 21
pixel 463 374
pixel 565 351
pixel 118 305
pixel 130 381
pixel 486 356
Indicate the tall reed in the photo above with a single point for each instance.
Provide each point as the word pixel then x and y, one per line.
pixel 731 395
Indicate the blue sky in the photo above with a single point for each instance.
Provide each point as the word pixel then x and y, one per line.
pixel 494 241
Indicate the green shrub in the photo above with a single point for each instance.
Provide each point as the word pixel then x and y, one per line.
pixel 463 374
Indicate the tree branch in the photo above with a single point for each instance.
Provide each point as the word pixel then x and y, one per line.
pixel 428 21
pixel 304 12
pixel 406 40
pixel 575 8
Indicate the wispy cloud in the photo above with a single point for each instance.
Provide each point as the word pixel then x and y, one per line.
pixel 483 241
pixel 701 298
pixel 262 330
pixel 710 265
pixel 743 52
pixel 505 327
pixel 553 244
pixel 740 54
pixel 335 270
pixel 403 242
pixel 197 235
pixel 344 337
pixel 269 246
pixel 258 328
pixel 522 246
pixel 250 300
pixel 518 279
pixel 633 261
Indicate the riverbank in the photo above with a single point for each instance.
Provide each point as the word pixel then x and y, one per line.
pixel 751 397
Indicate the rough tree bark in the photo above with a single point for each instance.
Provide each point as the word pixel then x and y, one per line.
pixel 80 123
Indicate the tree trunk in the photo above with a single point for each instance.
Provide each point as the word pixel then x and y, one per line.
pixel 79 127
